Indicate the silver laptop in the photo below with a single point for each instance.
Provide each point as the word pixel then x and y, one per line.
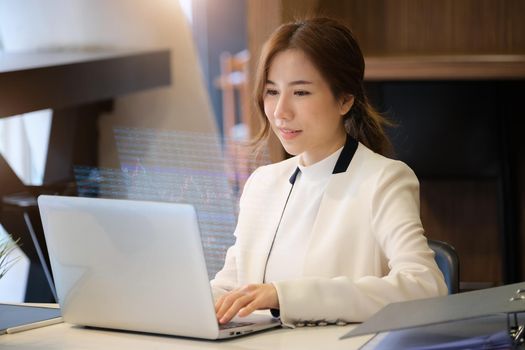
pixel 134 265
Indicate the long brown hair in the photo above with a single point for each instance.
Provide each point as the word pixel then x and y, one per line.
pixel 334 51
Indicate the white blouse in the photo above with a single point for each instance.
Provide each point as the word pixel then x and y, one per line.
pixel 286 259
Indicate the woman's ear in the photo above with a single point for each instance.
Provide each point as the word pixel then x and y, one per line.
pixel 346 103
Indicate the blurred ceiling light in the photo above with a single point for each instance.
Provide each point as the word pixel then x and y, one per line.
pixel 187 9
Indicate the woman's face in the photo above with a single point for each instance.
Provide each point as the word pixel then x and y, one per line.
pixel 301 108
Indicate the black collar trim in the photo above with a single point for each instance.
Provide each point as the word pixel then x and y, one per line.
pixel 346 156
pixel 294 175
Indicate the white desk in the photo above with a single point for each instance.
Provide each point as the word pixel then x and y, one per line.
pixel 66 336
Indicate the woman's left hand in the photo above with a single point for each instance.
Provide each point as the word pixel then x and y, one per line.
pixel 245 300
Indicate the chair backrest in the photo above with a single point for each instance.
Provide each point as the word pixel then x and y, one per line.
pixel 448 262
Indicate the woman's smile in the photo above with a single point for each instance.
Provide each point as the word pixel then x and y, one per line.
pixel 289 134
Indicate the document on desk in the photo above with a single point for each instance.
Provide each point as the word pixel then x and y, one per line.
pixel 478 333
pixel 508 299
pixel 18 318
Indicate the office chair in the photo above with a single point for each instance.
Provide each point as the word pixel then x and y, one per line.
pixel 448 262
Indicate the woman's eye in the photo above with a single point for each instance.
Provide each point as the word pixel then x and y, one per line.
pixel 301 93
pixel 271 92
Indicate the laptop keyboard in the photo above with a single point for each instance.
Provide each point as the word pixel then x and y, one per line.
pixel 234 325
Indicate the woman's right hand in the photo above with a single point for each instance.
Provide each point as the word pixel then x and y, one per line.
pixel 245 300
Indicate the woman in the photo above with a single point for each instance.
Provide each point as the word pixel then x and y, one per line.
pixel 332 234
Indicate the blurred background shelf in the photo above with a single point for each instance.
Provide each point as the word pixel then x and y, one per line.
pixel 445 67
pixel 31 81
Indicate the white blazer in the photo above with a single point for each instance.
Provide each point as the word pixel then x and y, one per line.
pixel 367 247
